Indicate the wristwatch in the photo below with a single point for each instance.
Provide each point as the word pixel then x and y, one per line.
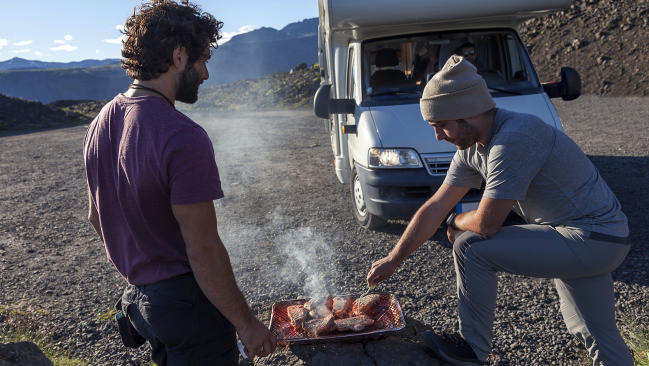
pixel 450 221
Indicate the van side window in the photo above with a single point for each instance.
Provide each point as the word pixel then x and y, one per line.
pixel 515 62
pixel 351 74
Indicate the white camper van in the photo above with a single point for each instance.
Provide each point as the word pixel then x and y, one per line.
pixel 376 56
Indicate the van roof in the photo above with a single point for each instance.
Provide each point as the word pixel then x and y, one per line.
pixel 359 14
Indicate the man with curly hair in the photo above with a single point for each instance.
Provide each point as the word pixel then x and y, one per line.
pixel 152 179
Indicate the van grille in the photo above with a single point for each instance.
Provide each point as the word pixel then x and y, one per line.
pixel 437 164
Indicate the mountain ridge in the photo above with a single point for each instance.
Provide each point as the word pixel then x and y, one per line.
pixel 606 41
pixel 17 63
pixel 249 55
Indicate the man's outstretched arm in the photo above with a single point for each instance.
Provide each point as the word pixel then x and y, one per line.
pixel 421 227
pixel 210 263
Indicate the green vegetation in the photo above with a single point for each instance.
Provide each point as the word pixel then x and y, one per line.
pixel 58 358
pixel 107 315
pixel 637 338
pixel 19 324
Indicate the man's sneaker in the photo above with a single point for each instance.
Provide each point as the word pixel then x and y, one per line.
pixel 452 348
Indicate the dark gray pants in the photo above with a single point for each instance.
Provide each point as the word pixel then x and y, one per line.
pixel 180 323
pixel 580 266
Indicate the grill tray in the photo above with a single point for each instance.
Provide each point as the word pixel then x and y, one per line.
pixel 389 319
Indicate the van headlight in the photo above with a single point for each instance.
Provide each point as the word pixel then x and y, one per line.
pixel 393 158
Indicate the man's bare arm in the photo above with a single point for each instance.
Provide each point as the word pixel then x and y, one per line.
pixel 487 219
pixel 421 227
pixel 427 219
pixel 93 216
pixel 210 263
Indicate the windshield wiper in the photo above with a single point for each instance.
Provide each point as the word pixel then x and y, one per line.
pixel 394 91
pixel 505 91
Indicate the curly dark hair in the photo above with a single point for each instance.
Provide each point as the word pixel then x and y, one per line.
pixel 160 27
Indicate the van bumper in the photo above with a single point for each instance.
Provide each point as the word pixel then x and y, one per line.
pixel 398 193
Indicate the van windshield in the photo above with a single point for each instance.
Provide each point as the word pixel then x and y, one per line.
pixel 398 68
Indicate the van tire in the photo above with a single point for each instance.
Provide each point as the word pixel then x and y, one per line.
pixel 362 216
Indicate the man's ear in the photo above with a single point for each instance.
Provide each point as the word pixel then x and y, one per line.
pixel 179 57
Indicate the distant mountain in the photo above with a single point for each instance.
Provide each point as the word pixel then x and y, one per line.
pixel 280 90
pixel 264 51
pixel 247 56
pixel 47 85
pixel 18 63
pixel 20 114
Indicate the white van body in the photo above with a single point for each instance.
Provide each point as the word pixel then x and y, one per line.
pixel 386 122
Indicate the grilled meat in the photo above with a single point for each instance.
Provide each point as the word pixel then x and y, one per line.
pixel 365 304
pixel 318 301
pixel 355 323
pixel 297 314
pixel 319 311
pixel 319 307
pixel 318 327
pixel 342 306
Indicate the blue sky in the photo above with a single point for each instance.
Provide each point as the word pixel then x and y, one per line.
pixel 73 30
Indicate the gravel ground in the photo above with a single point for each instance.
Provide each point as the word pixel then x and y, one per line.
pixel 287 222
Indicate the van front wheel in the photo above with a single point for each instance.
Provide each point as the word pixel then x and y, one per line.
pixel 363 217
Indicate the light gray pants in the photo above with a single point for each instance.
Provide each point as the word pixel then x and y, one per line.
pixel 580 266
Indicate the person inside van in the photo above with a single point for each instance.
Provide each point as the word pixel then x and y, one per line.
pixel 575 231
pixel 426 63
pixel 468 51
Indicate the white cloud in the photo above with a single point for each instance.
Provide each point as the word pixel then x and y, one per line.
pixel 117 40
pixel 227 36
pixel 65 47
pixel 97 52
pixel 24 50
pixel 37 53
pixel 3 42
pixel 22 43
pixel 66 38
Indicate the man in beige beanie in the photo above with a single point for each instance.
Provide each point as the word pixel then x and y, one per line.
pixel 575 231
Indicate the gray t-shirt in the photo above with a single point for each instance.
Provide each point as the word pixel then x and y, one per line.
pixel 552 180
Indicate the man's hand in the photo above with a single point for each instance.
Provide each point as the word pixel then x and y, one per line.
pixel 381 270
pixel 452 233
pixel 257 339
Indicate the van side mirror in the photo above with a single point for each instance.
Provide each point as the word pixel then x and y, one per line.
pixel 569 88
pixel 323 106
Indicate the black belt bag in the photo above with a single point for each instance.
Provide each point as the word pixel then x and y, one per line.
pixel 130 337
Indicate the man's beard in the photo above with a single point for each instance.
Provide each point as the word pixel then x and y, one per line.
pixel 468 136
pixel 188 89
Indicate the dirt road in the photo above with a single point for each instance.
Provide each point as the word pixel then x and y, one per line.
pixel 288 227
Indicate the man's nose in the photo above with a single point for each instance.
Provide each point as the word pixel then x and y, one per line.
pixel 205 74
pixel 439 134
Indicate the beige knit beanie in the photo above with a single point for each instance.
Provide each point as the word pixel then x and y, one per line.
pixel 456 91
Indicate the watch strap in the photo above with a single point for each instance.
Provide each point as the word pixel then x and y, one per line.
pixel 450 220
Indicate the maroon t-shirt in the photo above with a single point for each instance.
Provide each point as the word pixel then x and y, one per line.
pixel 141 157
